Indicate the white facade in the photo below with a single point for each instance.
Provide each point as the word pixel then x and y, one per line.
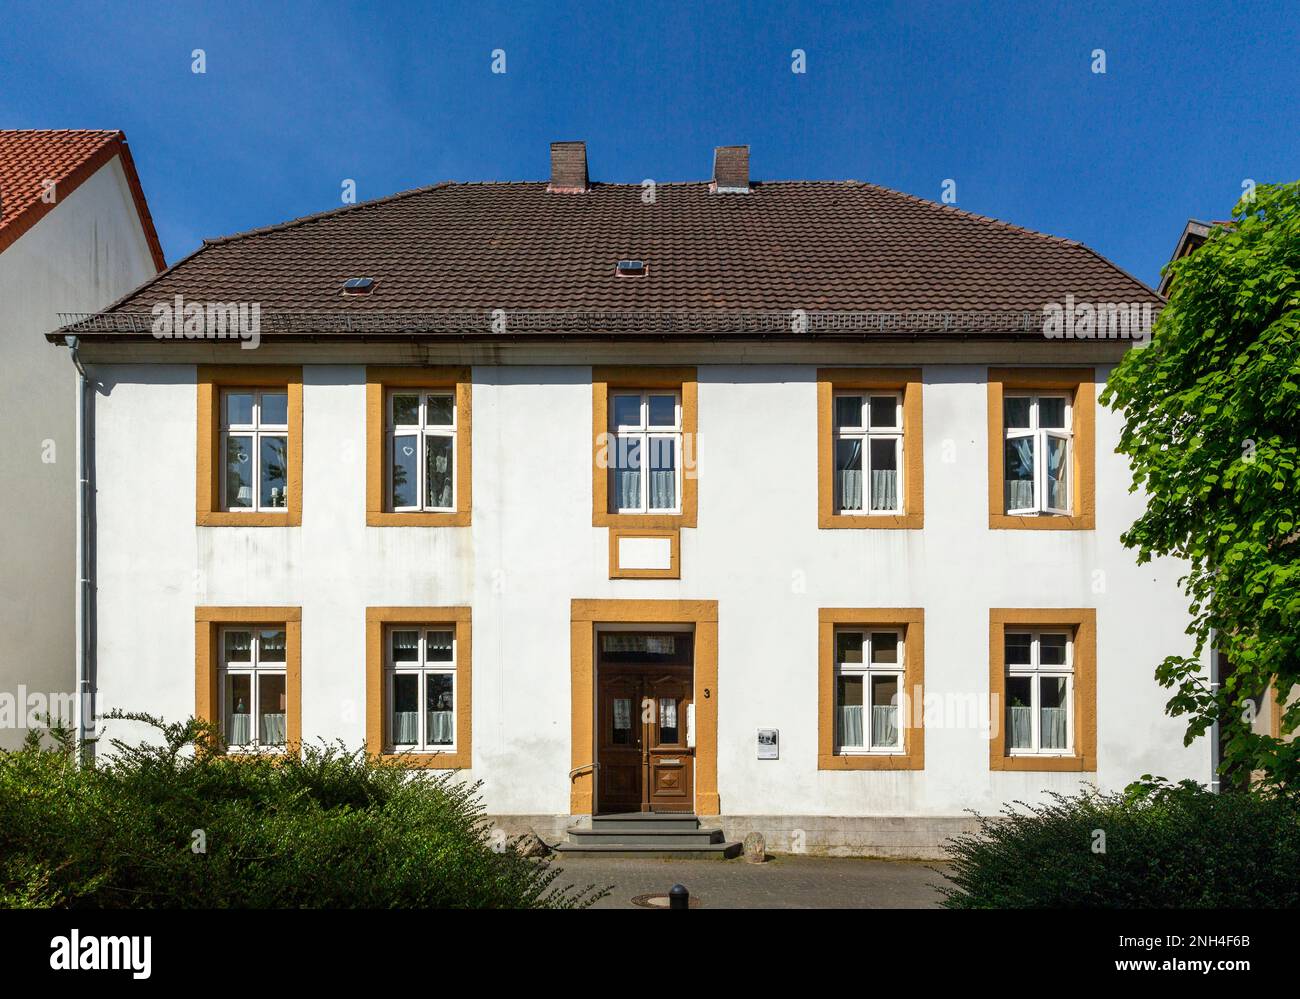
pixel 532 548
pixel 86 253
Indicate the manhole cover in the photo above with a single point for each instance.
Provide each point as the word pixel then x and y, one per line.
pixel 660 901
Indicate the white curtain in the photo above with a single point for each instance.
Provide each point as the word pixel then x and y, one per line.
pixel 1021 724
pixel 241 729
pixel 406 727
pixel 884 489
pixel 1052 722
pixel 622 713
pixel 1056 492
pixel 850 475
pixel 663 489
pixel 271 731
pixel 627 488
pixel 667 712
pixel 1020 492
pixel 884 724
pixel 851 725
pixel 439 470
pixel 439 724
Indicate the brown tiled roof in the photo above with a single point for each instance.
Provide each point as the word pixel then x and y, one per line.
pixel 29 158
pixel 467 249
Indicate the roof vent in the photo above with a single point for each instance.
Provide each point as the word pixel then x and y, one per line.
pixel 358 286
pixel 730 170
pixel 568 168
pixel 632 268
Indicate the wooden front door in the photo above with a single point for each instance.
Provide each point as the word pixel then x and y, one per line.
pixel 643 699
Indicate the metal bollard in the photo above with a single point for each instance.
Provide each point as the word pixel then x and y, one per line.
pixel 679 897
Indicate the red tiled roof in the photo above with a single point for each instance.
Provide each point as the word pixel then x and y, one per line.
pixel 30 158
pixel 823 247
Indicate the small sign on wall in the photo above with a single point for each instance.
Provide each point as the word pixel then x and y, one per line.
pixel 769 740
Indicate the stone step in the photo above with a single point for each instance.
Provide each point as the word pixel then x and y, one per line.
pixel 646 820
pixel 643 834
pixel 650 851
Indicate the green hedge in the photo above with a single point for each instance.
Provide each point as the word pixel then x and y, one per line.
pixel 1165 846
pixel 327 829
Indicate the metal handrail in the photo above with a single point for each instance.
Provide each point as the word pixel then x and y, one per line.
pixel 586 766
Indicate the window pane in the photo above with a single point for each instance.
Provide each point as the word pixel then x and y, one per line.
pixel 239 409
pixel 441 411
pixel 1020 473
pixel 275 409
pixel 437 646
pixel 1020 718
pixel 1058 471
pixel 1051 649
pixel 627 411
pixel 1052 720
pixel 848 647
pixel 406 410
pixel 622 722
pixel 438 473
pixel 884 711
pixel 1016 410
pixel 440 707
pixel 1051 413
pixel 668 720
pixel 626 473
pixel 239 705
pixel 1018 649
pixel 663 411
pixel 275 472
pixel 406 709
pixel 270 709
pixel 848 710
pixel 884 647
pixel 406 646
pixel 848 473
pixel 884 474
pixel 884 411
pixel 848 410
pixel 406 449
pixel 239 473
pixel 238 646
pixel 663 473
pixel 270 647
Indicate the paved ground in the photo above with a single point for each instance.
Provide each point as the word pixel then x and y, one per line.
pixel 787 882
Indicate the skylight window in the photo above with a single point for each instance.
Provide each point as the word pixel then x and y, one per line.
pixel 358 286
pixel 632 268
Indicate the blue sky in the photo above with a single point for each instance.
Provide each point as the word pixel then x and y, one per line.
pixel 298 97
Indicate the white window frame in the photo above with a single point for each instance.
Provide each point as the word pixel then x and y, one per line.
pixel 254 668
pixel 866 433
pixel 1036 672
pixel 1039 436
pixel 423 668
pixel 256 430
pixel 422 431
pixel 644 432
pixel 867 670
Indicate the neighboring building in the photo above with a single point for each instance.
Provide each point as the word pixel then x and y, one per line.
pixel 75 235
pixel 741 499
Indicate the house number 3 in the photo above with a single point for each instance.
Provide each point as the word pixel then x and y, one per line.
pixel 707 695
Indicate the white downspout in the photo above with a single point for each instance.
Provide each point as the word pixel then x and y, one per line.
pixel 83 567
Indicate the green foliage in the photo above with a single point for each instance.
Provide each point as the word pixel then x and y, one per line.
pixel 1212 412
pixel 328 828
pixel 1166 846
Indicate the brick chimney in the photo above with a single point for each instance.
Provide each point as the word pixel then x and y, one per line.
pixel 730 170
pixel 568 168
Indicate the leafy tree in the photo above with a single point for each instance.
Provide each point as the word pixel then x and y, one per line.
pixel 1212 429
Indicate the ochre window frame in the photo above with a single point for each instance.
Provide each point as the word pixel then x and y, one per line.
pixel 378 619
pixel 212 380
pixel 911 621
pixel 584 616
pixel 380 381
pixel 208 622
pixel 1080 383
pixel 682 380
pixel 1082 621
pixel 904 380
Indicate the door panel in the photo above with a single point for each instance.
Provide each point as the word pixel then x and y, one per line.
pixel 619 745
pixel 670 763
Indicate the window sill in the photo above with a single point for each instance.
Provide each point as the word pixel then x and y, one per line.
pixel 1041 522
pixel 870 761
pixel 660 521
pixel 867 522
pixel 228 518
pixel 422 760
pixel 385 518
pixel 1040 763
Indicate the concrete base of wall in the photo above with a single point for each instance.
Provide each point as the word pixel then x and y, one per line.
pixel 900 837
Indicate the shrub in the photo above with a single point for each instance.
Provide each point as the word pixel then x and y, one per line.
pixel 1165 846
pixel 328 828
